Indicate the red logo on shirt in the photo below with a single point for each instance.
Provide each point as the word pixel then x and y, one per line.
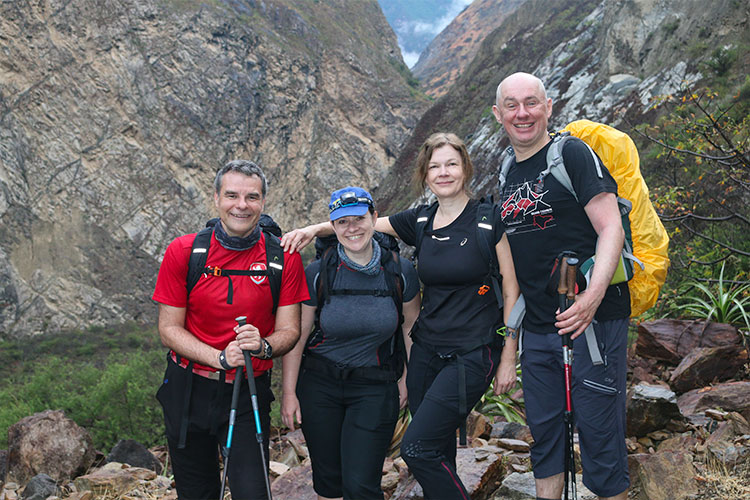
pixel 258 266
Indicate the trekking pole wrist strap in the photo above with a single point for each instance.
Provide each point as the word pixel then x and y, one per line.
pixel 223 360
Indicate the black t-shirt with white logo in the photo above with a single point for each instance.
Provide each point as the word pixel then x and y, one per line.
pixel 544 219
pixel 451 267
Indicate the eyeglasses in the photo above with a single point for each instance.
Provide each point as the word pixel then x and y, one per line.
pixel 348 199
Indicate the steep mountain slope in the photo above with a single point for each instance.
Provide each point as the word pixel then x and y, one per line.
pixel 446 57
pixel 115 115
pixel 598 61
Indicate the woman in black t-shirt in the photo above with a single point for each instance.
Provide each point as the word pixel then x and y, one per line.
pixel 454 337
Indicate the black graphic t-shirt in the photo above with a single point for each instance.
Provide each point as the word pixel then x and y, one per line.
pixel 451 267
pixel 543 219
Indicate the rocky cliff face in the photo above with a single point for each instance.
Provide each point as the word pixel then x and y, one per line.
pixel 443 61
pixel 599 60
pixel 115 115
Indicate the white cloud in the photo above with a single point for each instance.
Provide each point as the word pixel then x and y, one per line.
pixel 410 58
pixel 419 27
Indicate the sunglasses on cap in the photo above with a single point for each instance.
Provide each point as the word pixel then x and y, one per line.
pixel 347 200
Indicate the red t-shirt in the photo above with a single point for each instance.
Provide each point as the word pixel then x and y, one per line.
pixel 208 315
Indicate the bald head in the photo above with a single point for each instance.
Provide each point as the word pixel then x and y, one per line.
pixel 523 78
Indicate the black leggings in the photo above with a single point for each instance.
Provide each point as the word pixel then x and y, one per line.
pixel 429 445
pixel 348 426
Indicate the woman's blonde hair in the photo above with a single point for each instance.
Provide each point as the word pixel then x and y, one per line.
pixel 435 141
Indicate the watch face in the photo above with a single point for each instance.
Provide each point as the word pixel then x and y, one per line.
pixel 267 351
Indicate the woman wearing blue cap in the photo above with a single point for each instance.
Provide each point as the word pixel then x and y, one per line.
pixel 343 381
pixel 456 351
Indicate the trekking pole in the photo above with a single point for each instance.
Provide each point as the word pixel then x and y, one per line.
pixel 566 291
pixel 232 415
pixel 254 400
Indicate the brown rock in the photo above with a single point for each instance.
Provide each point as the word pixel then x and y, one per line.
pixel 729 442
pixel 49 443
pixel 729 396
pixel 514 444
pixel 665 476
pixel 685 442
pixel 512 430
pixel 704 365
pixel 297 484
pixel 297 440
pixel 671 340
pixel 114 479
pixel 478 426
pixel 275 469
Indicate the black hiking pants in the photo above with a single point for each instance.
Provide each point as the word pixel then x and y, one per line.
pixel 429 445
pixel 196 466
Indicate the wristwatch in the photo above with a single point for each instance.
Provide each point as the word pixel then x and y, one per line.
pixel 266 351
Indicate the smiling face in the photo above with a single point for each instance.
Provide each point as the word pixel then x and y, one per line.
pixel 523 110
pixel 355 232
pixel 445 172
pixel 240 202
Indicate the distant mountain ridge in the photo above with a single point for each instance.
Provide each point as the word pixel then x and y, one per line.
pixel 446 57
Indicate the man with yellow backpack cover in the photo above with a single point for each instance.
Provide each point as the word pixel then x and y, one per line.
pixel 557 196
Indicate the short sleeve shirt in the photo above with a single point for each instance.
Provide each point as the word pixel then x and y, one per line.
pixel 208 316
pixel 353 327
pixel 452 268
pixel 543 219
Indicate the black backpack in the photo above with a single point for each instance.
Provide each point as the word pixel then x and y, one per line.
pixel 485 234
pixel 274 259
pixel 392 352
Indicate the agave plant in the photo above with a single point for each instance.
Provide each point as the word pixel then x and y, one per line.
pixel 721 304
pixel 503 405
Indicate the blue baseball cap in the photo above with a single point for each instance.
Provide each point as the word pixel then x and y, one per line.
pixel 350 200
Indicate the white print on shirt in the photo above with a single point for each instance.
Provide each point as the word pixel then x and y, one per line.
pixel 258 266
pixel 526 211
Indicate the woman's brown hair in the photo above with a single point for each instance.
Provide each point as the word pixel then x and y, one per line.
pixel 435 141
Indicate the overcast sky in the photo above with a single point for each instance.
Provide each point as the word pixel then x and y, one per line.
pixel 414 34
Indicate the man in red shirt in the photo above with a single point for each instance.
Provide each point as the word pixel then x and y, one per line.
pixel 206 343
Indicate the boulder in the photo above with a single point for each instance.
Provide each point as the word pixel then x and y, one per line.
pixel 114 479
pixel 297 484
pixel 729 396
pixel 704 365
pixel 511 430
pixel 133 453
pixel 671 340
pixel 668 475
pixel 521 486
pixel 480 470
pixel 730 442
pixel 49 443
pixel 478 426
pixel 650 408
pixel 40 487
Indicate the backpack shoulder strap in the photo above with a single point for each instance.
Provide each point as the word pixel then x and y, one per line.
pixel 274 266
pixel 486 230
pixel 198 255
pixel 425 214
pixel 509 158
pixel 556 163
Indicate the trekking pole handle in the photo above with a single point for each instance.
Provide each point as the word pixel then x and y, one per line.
pixel 562 284
pixel 241 320
pixel 572 268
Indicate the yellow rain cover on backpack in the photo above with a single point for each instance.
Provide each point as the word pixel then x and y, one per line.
pixel 650 239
